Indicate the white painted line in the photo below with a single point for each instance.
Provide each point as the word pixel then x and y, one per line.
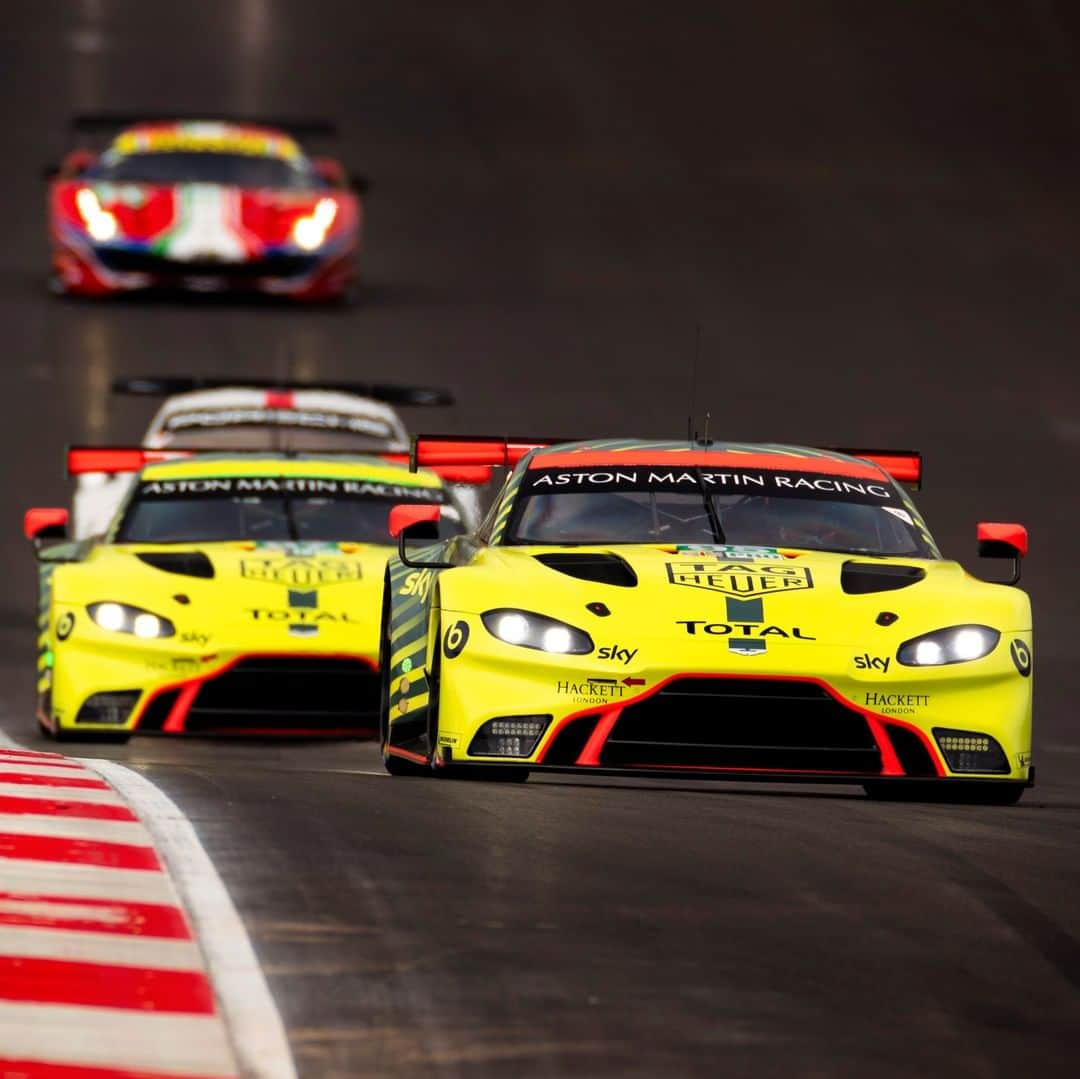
pixel 69 827
pixel 115 1038
pixel 81 946
pixel 44 769
pixel 27 876
pixel 61 794
pixel 250 1014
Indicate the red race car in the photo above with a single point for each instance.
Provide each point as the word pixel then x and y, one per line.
pixel 203 206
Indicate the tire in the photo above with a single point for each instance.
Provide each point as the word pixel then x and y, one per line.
pixel 948 792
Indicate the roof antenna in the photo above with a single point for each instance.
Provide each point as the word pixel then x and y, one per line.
pixel 691 434
pixel 705 439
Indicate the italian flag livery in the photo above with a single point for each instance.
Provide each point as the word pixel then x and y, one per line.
pixel 205 207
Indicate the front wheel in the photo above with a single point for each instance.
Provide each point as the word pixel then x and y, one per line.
pixel 948 792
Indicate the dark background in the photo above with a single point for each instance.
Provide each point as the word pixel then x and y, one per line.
pixel 871 212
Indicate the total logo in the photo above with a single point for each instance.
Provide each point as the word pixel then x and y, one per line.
pixel 742 629
pixel 617 653
pixel 867 662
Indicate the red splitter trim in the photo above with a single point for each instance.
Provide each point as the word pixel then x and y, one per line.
pixel 878 724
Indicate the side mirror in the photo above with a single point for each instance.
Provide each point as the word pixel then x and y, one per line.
pixel 998 540
pixel 75 163
pixel 415 522
pixel 43 523
pixel 360 184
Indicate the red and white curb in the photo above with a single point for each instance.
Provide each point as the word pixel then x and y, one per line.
pixel 121 953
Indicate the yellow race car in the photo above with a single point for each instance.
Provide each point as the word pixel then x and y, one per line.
pixel 234 594
pixel 703 609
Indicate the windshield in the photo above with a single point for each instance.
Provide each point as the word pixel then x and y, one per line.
pixel 269 508
pixel 187 167
pixel 812 511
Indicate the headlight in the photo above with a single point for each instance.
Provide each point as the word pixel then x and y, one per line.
pixel 957 644
pixel 309 232
pixel 120 618
pixel 99 222
pixel 536 631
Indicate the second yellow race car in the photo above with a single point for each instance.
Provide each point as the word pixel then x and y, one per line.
pixel 704 609
pixel 234 594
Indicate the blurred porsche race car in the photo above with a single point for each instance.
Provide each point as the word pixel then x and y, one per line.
pixel 202 413
pixel 203 206
pixel 232 594
pixel 735 611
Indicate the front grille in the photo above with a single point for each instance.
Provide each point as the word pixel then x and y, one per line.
pixel 133 260
pixel 288 693
pixel 756 724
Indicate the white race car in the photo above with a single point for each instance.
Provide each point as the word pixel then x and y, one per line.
pixel 208 414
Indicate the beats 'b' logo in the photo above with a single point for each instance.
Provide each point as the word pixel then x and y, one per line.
pixel 457 636
pixel 1021 657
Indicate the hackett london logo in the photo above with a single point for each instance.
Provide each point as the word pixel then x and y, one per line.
pixel 301 572
pixel 740 579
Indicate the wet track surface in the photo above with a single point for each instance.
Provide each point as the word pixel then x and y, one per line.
pixel 874 220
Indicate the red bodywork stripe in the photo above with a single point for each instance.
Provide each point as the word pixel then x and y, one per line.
pixel 493 452
pixel 407 754
pixel 279 399
pixel 590 755
pixel 104 985
pixel 47 848
pixel 117 916
pixel 58 807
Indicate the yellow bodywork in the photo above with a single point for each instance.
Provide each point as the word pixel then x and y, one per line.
pixel 274 599
pixel 705 614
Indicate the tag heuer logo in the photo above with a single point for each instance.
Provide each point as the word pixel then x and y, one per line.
pixel 300 572
pixel 740 578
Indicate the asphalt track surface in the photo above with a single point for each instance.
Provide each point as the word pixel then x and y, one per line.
pixel 871 211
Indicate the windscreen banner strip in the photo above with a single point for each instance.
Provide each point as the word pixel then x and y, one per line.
pixel 720 481
pixel 286 486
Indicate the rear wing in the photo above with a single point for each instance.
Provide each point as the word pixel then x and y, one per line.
pixel 117 460
pixel 90 123
pixel 387 392
pixel 905 466
pixel 428 451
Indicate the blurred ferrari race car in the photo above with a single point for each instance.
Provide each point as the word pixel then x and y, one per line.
pixel 739 611
pixel 201 413
pixel 235 594
pixel 203 206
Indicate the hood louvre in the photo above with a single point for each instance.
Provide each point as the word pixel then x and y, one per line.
pixel 184 563
pixel 863 578
pixel 598 567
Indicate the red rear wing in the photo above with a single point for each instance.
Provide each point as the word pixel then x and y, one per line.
pixel 434 451
pixel 905 466
pixel 114 459
pixel 110 460
pixel 446 451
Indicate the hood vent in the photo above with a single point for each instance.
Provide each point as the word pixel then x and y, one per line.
pixel 861 578
pixel 602 568
pixel 186 563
